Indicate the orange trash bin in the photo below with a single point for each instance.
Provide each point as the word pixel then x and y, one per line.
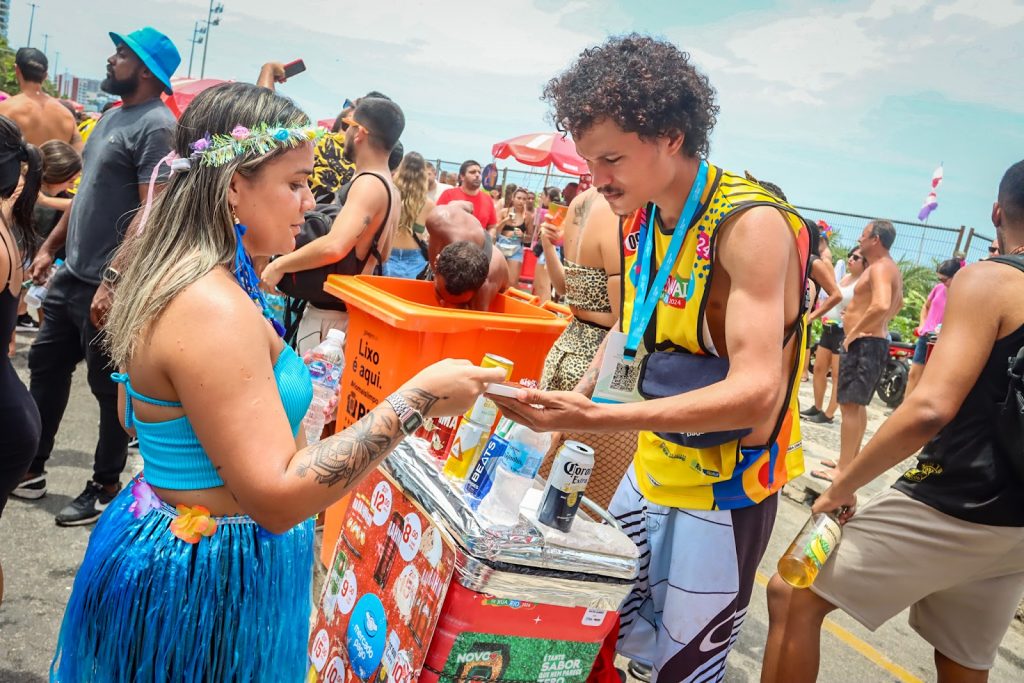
pixel 396 329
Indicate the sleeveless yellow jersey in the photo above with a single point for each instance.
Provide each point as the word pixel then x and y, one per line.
pixel 721 477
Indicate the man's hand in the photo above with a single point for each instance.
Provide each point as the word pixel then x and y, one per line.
pixel 836 499
pixel 101 305
pixel 271 276
pixel 546 411
pixel 271 73
pixel 39 271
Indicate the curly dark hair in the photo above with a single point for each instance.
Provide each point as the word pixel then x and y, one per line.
pixel 645 86
pixel 464 267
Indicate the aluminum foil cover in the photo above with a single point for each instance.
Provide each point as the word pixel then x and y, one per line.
pixel 522 563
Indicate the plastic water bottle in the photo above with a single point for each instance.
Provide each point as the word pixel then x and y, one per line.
pixel 515 474
pixel 36 294
pixel 325 364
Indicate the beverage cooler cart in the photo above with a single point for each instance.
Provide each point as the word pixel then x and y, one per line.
pixel 420 588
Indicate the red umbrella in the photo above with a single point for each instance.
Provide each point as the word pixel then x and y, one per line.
pixel 543 149
pixel 326 123
pixel 185 90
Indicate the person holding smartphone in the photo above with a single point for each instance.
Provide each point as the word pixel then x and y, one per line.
pixel 515 227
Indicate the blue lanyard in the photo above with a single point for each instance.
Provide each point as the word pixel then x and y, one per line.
pixel 646 295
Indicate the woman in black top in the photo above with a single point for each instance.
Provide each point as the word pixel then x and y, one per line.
pixel 19 419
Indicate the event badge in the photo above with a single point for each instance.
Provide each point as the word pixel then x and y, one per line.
pixel 618 378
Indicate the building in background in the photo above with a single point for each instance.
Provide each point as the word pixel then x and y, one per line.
pixel 5 17
pixel 83 90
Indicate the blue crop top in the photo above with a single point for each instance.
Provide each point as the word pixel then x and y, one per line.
pixel 172 456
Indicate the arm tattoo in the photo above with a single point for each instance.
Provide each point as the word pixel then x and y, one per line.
pixel 344 458
pixel 588 382
pixel 421 400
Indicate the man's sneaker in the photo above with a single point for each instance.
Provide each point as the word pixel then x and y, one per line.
pixel 26 324
pixel 810 412
pixel 88 507
pixel 639 671
pixel 32 487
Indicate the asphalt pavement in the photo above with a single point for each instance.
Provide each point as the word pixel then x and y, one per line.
pixel 40 560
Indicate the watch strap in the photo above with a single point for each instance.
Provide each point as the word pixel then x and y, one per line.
pixel 409 419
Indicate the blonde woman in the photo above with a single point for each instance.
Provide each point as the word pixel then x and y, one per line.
pixel 201 570
pixel 409 252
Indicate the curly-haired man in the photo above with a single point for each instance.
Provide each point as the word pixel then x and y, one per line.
pixel 705 362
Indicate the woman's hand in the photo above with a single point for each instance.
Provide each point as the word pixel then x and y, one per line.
pixel 550 234
pixel 448 387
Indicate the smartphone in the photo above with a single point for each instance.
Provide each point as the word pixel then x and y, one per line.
pixel 294 68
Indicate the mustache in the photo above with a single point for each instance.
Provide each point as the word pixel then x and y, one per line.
pixel 609 189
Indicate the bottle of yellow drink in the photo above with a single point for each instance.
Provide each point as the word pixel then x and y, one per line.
pixel 811 548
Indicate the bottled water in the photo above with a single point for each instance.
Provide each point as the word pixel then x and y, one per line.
pixel 36 294
pixel 325 364
pixel 515 474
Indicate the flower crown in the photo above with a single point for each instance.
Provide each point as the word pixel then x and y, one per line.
pixel 217 150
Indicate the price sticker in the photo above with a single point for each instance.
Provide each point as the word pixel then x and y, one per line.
pixel 380 503
pixel 347 594
pixel 335 672
pixel 412 534
pixel 321 647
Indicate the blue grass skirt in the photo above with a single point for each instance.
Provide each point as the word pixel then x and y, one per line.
pixel 147 606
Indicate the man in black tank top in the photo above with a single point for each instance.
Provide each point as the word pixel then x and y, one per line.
pixel 948 539
pixel 362 233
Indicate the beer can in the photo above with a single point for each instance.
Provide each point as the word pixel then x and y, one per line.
pixel 440 438
pixel 480 479
pixel 492 360
pixel 569 476
pixel 465 449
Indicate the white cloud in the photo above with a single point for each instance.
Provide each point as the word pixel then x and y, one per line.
pixel 1000 13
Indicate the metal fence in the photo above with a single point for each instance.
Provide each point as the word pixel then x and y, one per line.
pixel 920 243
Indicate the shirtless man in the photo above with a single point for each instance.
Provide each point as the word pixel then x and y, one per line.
pixel 452 223
pixel 41 118
pixel 877 298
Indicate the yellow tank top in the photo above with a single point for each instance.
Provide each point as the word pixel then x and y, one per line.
pixel 721 477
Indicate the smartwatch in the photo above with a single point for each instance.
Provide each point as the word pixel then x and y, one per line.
pixel 409 419
pixel 111 276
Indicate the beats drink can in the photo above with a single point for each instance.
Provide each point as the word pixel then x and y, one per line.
pixel 569 476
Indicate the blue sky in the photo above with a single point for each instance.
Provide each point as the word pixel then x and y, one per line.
pixel 846 105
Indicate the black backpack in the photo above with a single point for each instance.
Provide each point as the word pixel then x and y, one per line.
pixel 307 286
pixel 1009 428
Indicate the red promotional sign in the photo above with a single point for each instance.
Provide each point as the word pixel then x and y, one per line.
pixel 384 589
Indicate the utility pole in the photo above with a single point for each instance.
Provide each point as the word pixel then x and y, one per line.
pixel 46 42
pixel 210 21
pixel 197 37
pixel 31 20
pixel 56 66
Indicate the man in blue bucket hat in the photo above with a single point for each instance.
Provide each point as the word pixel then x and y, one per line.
pixel 123 151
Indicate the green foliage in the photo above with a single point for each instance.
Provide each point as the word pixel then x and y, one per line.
pixel 8 79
